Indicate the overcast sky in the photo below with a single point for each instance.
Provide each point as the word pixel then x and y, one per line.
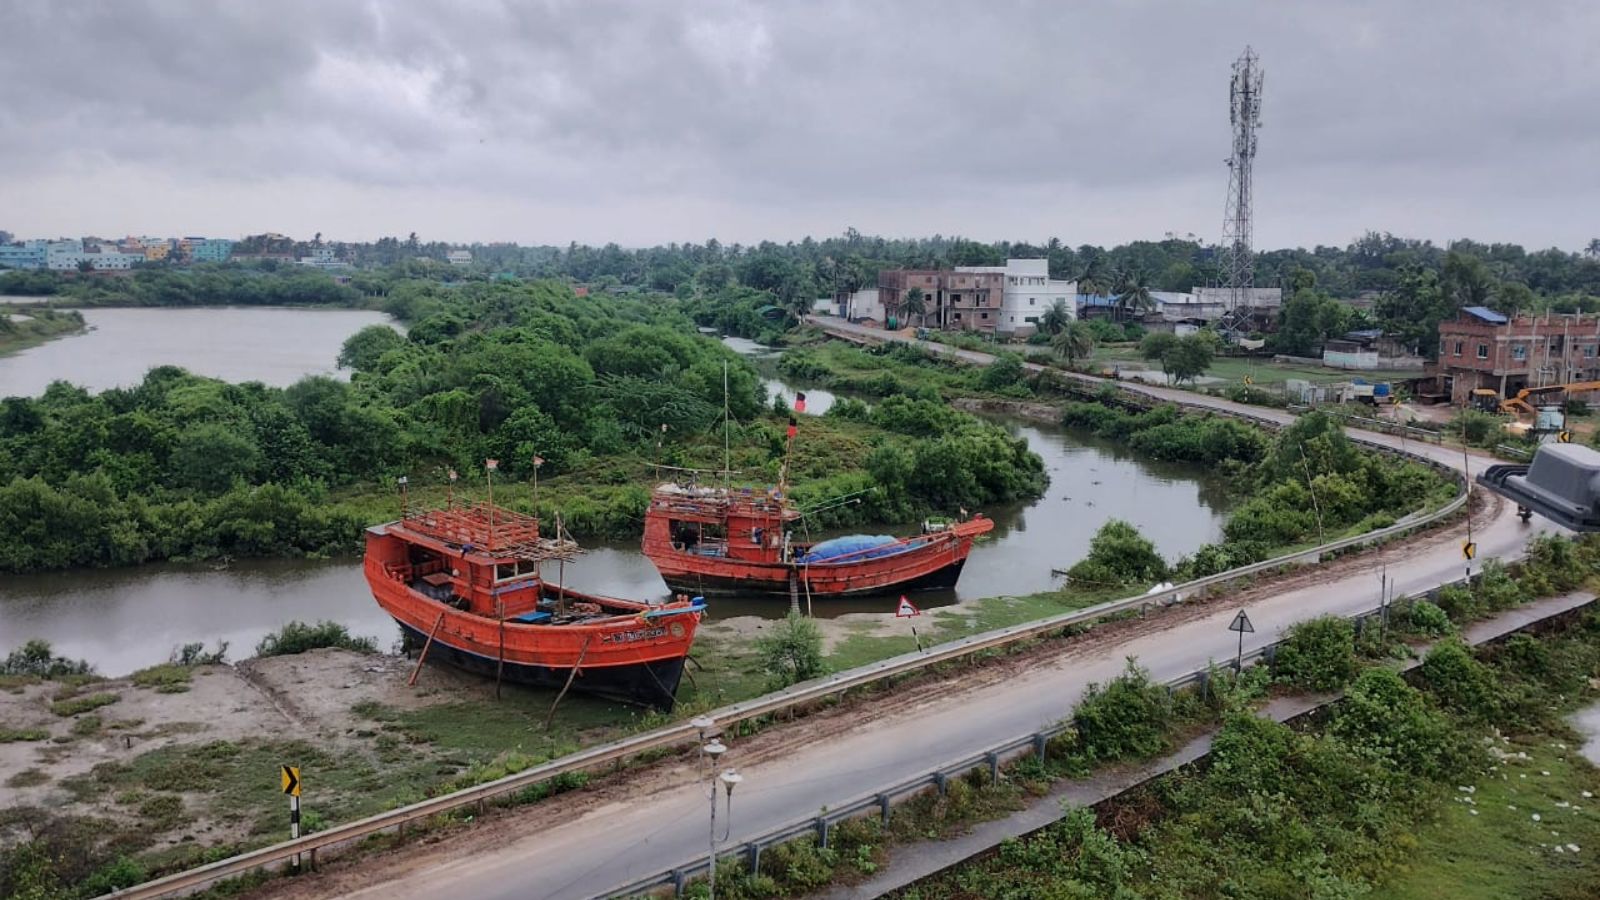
pixel 651 122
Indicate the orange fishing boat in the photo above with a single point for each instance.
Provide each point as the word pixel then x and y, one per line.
pixel 468 582
pixel 740 541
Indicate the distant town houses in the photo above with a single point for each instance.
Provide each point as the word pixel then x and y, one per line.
pixel 111 255
pixel 102 255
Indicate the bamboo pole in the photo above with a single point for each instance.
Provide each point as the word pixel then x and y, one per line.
pixel 570 676
pixel 412 681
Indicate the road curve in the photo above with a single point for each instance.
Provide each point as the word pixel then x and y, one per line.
pixel 607 847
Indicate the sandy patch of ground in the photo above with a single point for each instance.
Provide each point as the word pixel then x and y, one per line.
pixel 305 695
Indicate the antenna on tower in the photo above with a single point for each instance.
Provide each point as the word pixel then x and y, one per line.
pixel 1238 260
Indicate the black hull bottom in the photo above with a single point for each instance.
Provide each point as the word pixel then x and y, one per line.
pixel 652 684
pixel 713 586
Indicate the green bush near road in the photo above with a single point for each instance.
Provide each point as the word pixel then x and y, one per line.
pixel 1318 655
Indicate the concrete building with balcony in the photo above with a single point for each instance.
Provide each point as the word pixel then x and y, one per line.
pixel 1484 349
pixel 952 300
pixel 459 257
pixel 213 250
pixel 21 256
pixel 1027 292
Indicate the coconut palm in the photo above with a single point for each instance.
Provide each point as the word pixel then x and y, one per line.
pixel 915 302
pixel 1094 278
pixel 1133 293
pixel 1593 250
pixel 1073 342
pixel 1057 317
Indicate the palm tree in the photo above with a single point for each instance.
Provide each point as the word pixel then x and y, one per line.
pixel 1073 342
pixel 915 301
pixel 1593 250
pixel 1057 317
pixel 1093 280
pixel 1133 289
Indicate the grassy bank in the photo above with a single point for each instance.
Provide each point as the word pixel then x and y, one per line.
pixel 21 330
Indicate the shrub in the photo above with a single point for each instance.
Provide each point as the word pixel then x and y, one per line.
pixel 1428 619
pixel 298 637
pixel 1458 603
pixel 1553 565
pixel 1126 718
pixel 1461 683
pixel 1119 555
pixel 1387 720
pixel 792 653
pixel 1318 655
pixel 1477 428
pixel 195 655
pixel 36 659
pixel 1496 590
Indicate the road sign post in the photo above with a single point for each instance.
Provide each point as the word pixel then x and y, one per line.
pixel 905 610
pixel 1241 624
pixel 289 778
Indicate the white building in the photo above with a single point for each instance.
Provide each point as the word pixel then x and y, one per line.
pixel 323 258
pixel 459 257
pixel 861 305
pixel 65 256
pixel 1029 291
pixel 1257 298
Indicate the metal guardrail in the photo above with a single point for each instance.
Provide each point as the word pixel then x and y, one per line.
pixel 882 801
pixel 615 752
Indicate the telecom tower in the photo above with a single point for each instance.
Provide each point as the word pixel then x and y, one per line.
pixel 1238 262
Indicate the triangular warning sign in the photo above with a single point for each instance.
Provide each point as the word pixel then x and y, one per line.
pixel 906 609
pixel 1241 624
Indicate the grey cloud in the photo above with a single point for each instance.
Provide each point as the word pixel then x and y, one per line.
pixel 1097 122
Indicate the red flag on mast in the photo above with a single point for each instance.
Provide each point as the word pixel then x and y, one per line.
pixel 799 401
pixel 793 427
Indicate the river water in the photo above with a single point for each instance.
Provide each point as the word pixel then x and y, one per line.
pixel 123 619
pixel 276 346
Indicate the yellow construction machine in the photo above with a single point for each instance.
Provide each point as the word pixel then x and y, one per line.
pixel 1519 404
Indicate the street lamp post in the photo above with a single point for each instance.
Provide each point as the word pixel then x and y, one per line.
pixel 710 755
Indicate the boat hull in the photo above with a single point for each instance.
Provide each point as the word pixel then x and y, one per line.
pixel 635 655
pixel 703 584
pixel 653 683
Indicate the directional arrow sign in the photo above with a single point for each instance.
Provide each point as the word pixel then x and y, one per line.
pixel 1564 437
pixel 1249 380
pixel 1241 624
pixel 291 780
pixel 906 609
pixel 1469 549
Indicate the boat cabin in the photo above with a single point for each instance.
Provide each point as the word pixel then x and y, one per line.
pixel 744 524
pixel 482 560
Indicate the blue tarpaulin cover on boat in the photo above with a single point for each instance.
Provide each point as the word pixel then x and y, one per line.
pixel 858 546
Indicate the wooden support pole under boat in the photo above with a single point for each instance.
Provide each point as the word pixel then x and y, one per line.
pixel 561 573
pixel 412 681
pixel 500 664
pixel 794 593
pixel 584 651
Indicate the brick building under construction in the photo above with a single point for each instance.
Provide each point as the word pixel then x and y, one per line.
pixel 1484 349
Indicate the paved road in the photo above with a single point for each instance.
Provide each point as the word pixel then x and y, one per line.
pixel 612 846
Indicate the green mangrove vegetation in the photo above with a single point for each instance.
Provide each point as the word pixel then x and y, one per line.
pixel 21 330
pixel 601 388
